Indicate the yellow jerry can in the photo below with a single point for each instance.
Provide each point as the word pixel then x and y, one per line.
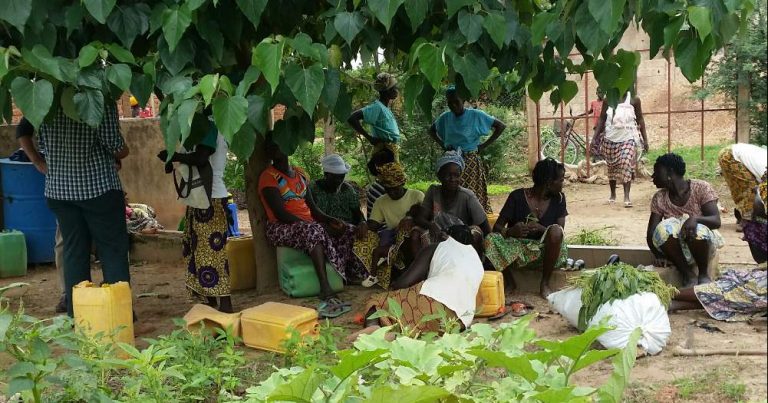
pixel 490 294
pixel 266 326
pixel 242 263
pixel 104 310
pixel 201 314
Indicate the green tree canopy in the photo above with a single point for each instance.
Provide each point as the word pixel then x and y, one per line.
pixel 235 59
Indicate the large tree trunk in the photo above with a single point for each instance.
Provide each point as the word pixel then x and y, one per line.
pixel 266 263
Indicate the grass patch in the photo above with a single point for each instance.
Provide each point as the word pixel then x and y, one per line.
pixel 493 189
pixel 734 391
pixel 594 237
pixel 714 383
pixel 696 168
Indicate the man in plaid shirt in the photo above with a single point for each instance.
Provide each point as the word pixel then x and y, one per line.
pixel 83 190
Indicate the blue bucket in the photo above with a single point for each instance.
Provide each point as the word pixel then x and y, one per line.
pixel 25 209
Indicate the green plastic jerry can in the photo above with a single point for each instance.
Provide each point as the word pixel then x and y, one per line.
pixel 13 254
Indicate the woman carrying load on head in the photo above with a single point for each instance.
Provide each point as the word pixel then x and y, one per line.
pixel 742 166
pixel 684 220
pixel 378 116
pixel 389 225
pixel 620 132
pixel 296 222
pixel 464 128
pixel 529 230
pixel 448 204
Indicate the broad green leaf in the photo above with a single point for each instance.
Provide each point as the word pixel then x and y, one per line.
pixel 128 22
pixel 252 10
pixel 120 75
pixel 351 361
pixel 41 59
pixel 20 384
pixel 99 9
pixel 91 77
pixel 184 115
pixel 229 114
pixel 21 368
pixel 385 10
pixel 417 12
pixel 691 55
pixel 5 322
pixel 613 390
pixel 193 5
pixel 701 19
pixel 244 142
pixel 589 31
pixel 520 365
pixel 211 32
pixel 425 99
pixel 568 90
pixel 302 44
pixel 541 22
pixel 348 25
pixel 141 88
pixel 88 55
pixel 432 65
pixel 606 74
pixel 267 57
pixel 90 106
pixel 306 84
pixel 120 53
pixel 299 389
pixel 574 347
pixel 208 86
pixel 343 104
pixel 555 395
pixel 33 98
pixel 496 26
pixel 331 88
pixel 292 131
pixel 175 61
pixel 68 103
pixel 171 135
pixel 729 25
pixel 607 13
pixel 258 109
pixel 413 88
pixel 16 12
pixel 471 25
pixel 3 65
pixel 73 17
pixel 226 85
pixel 421 393
pixel 593 356
pixel 672 30
pixel 250 77
pixel 628 63
pixel 452 6
pixel 473 70
pixel 175 22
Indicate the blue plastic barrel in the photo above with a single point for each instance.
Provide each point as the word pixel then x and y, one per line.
pixel 25 210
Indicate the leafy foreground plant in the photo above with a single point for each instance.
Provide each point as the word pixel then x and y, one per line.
pixel 484 364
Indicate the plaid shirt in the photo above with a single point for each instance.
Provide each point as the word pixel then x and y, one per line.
pixel 81 159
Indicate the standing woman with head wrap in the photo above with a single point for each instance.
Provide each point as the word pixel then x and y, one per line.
pixel 463 128
pixel 384 132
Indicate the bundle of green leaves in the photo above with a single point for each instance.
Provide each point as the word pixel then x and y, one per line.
pixel 617 282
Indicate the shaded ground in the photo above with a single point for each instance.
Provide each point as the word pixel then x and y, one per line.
pixel 661 378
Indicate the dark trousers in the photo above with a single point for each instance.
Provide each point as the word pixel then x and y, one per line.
pixel 99 221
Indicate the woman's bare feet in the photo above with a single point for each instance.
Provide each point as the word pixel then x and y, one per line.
pixel 544 290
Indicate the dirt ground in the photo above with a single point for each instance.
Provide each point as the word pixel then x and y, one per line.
pixel 161 296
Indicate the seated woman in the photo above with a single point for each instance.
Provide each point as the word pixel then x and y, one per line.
pixel 684 220
pixel 448 204
pixel 529 230
pixel 390 224
pixel 296 222
pixel 443 279
pixel 376 189
pixel 332 195
pixel 736 294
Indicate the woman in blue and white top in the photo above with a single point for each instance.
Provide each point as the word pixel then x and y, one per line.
pixel 463 129
pixel 384 132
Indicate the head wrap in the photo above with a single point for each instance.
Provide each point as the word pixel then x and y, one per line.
pixel 334 164
pixel 450 90
pixel 391 175
pixel 384 81
pixel 450 157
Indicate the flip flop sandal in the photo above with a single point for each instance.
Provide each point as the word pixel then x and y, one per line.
pixel 337 301
pixel 503 311
pixel 326 310
pixel 519 308
pixel 628 205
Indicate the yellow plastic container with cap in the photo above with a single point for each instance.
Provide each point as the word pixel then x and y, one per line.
pixel 491 294
pixel 266 326
pixel 104 310
pixel 492 218
pixel 242 263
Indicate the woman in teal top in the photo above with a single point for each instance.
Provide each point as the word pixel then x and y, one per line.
pixel 384 131
pixel 463 128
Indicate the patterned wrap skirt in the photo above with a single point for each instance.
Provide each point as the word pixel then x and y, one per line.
pixel 736 295
pixel 363 249
pixel 620 158
pixel 305 235
pixel 740 181
pixel 672 227
pixel 204 249
pixel 419 311
pixel 756 233
pixel 520 253
pixel 474 177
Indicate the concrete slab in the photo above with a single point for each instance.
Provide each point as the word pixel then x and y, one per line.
pixel 163 247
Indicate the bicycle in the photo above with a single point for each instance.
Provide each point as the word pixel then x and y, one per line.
pixel 573 145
